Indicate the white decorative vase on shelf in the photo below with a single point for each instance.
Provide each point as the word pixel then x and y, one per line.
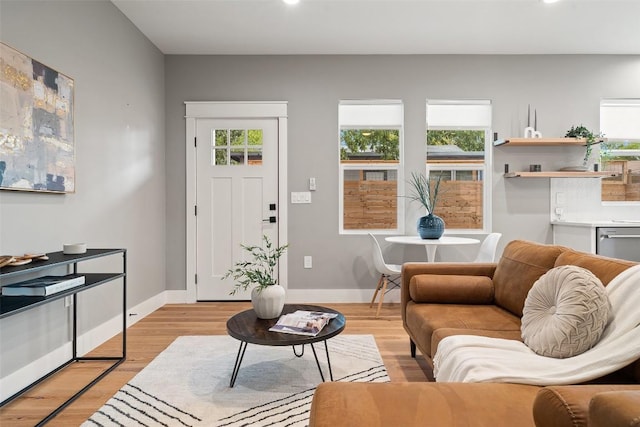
pixel 268 302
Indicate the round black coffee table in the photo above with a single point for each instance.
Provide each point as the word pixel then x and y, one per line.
pixel 247 328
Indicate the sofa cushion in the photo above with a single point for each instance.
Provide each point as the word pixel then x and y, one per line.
pixel 606 269
pixel 565 313
pixel 521 264
pixel 603 267
pixel 423 319
pixel 451 289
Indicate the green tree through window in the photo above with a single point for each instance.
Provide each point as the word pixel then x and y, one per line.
pixel 378 144
pixel 466 140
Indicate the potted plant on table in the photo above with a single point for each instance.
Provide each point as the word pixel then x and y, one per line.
pixel 267 296
pixel 425 191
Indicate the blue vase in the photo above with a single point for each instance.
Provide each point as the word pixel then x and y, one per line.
pixel 430 226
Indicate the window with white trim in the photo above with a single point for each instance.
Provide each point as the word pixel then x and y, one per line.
pixel 459 151
pixel 620 152
pixel 370 152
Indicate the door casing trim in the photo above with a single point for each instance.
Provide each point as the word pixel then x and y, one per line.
pixel 226 110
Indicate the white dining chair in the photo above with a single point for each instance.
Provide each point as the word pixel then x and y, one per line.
pixel 389 273
pixel 487 252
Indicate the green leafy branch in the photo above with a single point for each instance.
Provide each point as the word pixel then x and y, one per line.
pixel 260 270
pixel 591 138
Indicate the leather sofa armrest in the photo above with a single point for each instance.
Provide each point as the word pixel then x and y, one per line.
pixel 615 409
pixel 560 406
pixel 411 269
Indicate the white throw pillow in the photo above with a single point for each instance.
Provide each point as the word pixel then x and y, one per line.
pixel 565 312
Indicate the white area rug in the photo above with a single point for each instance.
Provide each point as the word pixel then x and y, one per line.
pixel 188 383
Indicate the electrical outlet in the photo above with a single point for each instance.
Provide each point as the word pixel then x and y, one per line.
pixel 308 262
pixel 312 184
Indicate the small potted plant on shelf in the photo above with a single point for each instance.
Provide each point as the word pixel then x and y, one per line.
pixel 425 192
pixel 591 138
pixel 267 296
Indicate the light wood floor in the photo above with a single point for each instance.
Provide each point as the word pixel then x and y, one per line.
pixel 147 338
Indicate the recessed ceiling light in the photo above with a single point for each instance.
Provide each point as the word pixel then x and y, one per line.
pixel 549 1
pixel 291 1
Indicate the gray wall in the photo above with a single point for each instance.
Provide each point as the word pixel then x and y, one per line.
pixel 564 89
pixel 128 196
pixel 120 162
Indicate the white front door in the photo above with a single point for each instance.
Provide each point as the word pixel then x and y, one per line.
pixel 236 197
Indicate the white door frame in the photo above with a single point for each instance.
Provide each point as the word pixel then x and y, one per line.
pixel 233 110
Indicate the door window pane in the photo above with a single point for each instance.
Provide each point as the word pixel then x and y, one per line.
pixel 237 156
pixel 237 137
pixel 237 147
pixel 254 148
pixel 220 156
pixel 221 137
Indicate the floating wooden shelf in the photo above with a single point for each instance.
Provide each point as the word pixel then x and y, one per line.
pixel 524 142
pixel 559 174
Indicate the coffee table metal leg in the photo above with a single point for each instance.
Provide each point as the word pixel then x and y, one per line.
pixel 294 351
pixel 317 361
pixel 236 367
pixel 326 350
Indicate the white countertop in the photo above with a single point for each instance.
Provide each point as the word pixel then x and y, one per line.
pixel 599 223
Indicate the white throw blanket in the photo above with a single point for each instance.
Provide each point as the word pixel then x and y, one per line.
pixel 467 358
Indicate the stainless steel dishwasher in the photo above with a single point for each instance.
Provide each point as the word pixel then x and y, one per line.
pixel 619 242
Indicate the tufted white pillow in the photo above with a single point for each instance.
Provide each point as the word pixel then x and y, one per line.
pixel 565 312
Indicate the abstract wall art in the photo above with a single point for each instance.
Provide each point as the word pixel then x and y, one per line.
pixel 37 148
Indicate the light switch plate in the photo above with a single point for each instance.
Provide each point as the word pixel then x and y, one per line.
pixel 300 197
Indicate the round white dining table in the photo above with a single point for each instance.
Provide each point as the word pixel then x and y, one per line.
pixel 432 244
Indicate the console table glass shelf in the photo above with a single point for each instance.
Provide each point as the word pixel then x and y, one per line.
pixel 11 305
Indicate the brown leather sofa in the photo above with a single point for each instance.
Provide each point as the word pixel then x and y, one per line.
pixel 443 299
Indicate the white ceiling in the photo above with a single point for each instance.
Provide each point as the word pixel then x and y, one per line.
pixel 388 26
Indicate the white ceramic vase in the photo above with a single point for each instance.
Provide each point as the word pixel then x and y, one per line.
pixel 268 302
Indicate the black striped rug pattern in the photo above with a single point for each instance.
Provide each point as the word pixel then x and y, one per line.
pixel 146 402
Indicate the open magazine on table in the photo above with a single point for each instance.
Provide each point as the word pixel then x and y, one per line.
pixel 303 322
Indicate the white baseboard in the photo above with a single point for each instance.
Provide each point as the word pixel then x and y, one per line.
pixel 337 295
pixel 176 297
pixel 299 296
pixel 16 381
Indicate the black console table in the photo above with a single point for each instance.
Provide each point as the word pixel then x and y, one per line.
pixel 14 305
